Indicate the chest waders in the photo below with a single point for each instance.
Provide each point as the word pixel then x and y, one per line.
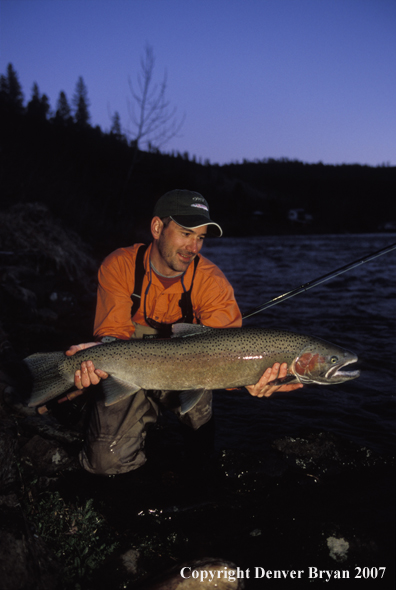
pixel 115 437
pixel 158 329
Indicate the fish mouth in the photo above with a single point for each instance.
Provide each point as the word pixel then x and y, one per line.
pixel 338 375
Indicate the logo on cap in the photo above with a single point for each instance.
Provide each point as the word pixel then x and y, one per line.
pixel 200 206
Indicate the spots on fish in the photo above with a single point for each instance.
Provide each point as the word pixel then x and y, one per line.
pixel 233 343
pixel 238 344
pixel 212 359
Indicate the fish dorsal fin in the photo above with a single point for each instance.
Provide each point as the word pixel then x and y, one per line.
pixel 183 330
pixel 115 390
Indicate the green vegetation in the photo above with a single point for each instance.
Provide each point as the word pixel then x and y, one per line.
pixel 76 532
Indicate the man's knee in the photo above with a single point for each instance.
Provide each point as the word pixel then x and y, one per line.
pixel 102 458
pixel 116 435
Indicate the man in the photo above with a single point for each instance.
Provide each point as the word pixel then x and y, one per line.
pixel 177 284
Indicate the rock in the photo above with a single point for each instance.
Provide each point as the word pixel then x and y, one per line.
pixel 46 457
pixel 130 561
pixel 338 547
pixel 204 574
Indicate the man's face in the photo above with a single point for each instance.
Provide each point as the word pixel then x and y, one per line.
pixel 177 247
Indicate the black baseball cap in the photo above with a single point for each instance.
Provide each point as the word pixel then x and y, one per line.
pixel 188 209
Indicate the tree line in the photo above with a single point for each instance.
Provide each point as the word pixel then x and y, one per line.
pixel 155 122
pixel 12 101
pixel 104 186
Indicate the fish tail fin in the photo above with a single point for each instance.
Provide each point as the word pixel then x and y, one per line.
pixel 47 381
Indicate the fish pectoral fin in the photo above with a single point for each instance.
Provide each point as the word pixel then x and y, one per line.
pixel 189 399
pixel 116 389
pixel 284 380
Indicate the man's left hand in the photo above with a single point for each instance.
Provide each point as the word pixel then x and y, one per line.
pixel 264 389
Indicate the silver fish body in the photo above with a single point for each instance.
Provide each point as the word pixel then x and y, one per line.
pixel 205 359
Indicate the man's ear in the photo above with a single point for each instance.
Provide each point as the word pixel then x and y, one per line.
pixel 156 227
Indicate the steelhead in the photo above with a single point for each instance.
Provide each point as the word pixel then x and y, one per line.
pixel 195 358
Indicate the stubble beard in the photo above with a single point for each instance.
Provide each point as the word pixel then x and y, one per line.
pixel 171 257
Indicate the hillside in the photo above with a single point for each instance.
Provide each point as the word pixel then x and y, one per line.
pixel 103 189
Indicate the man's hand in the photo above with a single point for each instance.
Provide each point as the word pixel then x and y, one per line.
pixel 262 389
pixel 87 375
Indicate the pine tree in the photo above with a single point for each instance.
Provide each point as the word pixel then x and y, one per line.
pixel 63 111
pixel 10 90
pixel 38 106
pixel 3 89
pixel 116 126
pixel 80 102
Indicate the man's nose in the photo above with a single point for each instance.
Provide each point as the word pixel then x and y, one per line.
pixel 193 246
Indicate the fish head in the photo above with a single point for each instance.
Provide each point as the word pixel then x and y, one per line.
pixel 322 362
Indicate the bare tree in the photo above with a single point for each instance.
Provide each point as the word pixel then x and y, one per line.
pixel 155 122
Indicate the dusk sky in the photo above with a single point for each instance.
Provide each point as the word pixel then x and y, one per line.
pixel 312 80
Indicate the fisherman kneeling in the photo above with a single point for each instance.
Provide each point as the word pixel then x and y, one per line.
pixel 142 292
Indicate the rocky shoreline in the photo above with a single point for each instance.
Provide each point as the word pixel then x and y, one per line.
pixel 310 502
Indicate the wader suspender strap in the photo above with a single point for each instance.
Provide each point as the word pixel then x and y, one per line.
pixel 185 301
pixel 139 276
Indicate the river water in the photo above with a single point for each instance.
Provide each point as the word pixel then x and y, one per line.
pixel 356 310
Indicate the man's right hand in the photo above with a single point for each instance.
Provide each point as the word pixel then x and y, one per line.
pixel 87 375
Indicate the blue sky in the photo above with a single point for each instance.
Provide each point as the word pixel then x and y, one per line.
pixel 313 80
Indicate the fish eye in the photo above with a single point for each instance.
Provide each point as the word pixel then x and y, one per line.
pixel 334 359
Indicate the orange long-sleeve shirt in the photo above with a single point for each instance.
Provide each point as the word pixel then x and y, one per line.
pixel 212 296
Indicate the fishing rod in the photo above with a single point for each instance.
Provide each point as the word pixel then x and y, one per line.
pixel 323 279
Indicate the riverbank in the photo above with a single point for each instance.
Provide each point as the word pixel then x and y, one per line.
pixel 306 503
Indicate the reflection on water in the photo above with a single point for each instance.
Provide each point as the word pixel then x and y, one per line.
pixel 355 310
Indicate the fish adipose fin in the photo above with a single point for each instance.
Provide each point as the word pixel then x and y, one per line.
pixel 189 399
pixel 116 389
pixel 47 381
pixel 284 380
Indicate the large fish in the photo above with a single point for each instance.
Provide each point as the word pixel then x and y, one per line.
pixel 196 358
